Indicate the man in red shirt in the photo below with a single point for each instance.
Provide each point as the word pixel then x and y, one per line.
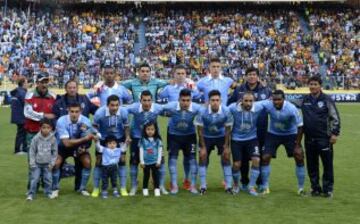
pixel 38 105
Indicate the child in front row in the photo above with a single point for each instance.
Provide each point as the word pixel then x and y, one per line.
pixel 110 158
pixel 42 156
pixel 150 156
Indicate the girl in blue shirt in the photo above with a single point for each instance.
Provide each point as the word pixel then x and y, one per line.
pixel 150 156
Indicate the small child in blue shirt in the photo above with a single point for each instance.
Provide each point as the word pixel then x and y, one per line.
pixel 110 158
pixel 150 156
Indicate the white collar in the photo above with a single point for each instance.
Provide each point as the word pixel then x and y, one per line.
pixel 220 77
pixel 239 107
pixel 211 111
pixel 179 85
pixel 115 86
pixel 152 108
pixel 190 108
pixel 107 112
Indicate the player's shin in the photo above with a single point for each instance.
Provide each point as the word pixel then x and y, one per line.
pixel 227 174
pixel 122 175
pixel 173 171
pixel 202 175
pixel 97 176
pixel 85 174
pixel 133 175
pixel 300 175
pixel 162 175
pixel 254 174
pixel 194 171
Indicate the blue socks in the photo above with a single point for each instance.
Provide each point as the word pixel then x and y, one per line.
pixel 227 175
pixel 133 175
pixel 122 176
pixel 85 174
pixel 186 164
pixel 265 175
pixel 254 174
pixel 162 175
pixel 173 171
pixel 55 179
pixel 193 170
pixel 300 175
pixel 236 176
pixel 97 176
pixel 202 174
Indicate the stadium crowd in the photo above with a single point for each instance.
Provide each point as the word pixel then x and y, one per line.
pixel 67 45
pixel 272 41
pixel 336 36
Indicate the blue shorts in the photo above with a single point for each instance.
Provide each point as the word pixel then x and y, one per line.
pixel 273 142
pixel 244 149
pixel 211 143
pixel 187 143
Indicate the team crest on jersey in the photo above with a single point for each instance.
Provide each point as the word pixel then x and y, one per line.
pixel 320 104
pixel 263 96
pixel 82 105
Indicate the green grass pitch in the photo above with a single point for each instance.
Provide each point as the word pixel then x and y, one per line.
pixel 281 206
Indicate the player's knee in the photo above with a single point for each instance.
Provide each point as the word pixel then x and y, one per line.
pixel 87 164
pixel 299 157
pixel 237 165
pixel 265 159
pixel 203 158
pixel 255 161
pixel 226 157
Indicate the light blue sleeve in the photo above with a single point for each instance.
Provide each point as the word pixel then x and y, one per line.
pixel 125 117
pixel 199 120
pixel 264 105
pixel 127 84
pixel 125 95
pixel 200 85
pixel 61 129
pixel 161 83
pixel 131 108
pixel 97 117
pixel 164 93
pixel 229 117
pixel 298 117
pixel 91 94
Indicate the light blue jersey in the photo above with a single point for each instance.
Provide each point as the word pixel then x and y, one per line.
pixel 141 117
pixel 181 122
pixel 108 124
pixel 223 84
pixel 171 93
pixel 110 156
pixel 245 122
pixel 103 92
pixel 150 151
pixel 66 129
pixel 284 121
pixel 214 123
